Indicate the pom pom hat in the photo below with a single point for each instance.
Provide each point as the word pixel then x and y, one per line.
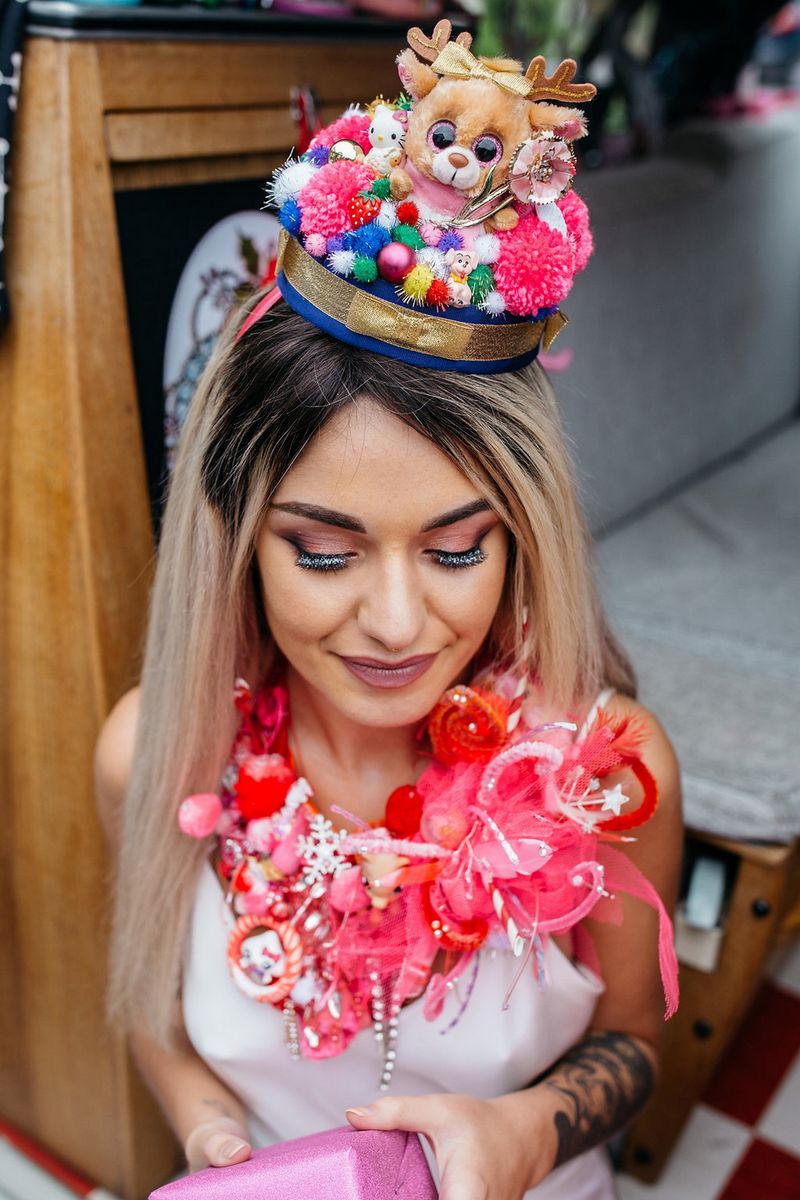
pixel 456 250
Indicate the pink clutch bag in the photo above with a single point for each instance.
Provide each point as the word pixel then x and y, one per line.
pixel 340 1164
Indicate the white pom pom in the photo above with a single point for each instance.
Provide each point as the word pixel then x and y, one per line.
pixel 342 261
pixel 387 217
pixel 434 259
pixel 289 181
pixel 487 247
pixel 494 304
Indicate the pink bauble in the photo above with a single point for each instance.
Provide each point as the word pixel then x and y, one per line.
pixel 198 815
pixel 395 261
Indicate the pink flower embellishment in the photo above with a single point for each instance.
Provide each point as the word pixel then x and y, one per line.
pixel 542 170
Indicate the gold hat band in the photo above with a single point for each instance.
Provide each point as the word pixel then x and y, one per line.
pixel 370 316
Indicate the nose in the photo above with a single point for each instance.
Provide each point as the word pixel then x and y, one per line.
pixel 456 159
pixel 393 610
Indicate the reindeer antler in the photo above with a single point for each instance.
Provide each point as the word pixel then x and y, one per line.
pixel 557 86
pixel 429 48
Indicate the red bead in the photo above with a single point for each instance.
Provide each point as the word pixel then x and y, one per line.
pixel 263 797
pixel 404 811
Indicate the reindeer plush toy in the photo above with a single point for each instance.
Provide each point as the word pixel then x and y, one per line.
pixel 471 117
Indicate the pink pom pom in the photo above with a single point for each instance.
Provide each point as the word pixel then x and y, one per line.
pixel 316 244
pixel 576 216
pixel 352 127
pixel 431 234
pixel 198 815
pixel 261 835
pixel 535 266
pixel 325 198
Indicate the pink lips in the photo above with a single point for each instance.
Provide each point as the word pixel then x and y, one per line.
pixel 381 674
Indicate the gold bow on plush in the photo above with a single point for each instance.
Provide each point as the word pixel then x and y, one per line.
pixel 455 60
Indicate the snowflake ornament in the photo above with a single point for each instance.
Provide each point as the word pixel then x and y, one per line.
pixel 320 850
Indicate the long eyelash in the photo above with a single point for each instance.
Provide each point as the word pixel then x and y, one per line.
pixel 465 558
pixel 320 562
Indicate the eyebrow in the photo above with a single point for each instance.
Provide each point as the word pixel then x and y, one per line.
pixel 329 516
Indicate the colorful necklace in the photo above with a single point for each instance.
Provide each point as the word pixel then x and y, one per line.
pixel 502 841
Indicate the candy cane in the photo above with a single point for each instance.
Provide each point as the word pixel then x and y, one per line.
pixel 515 938
pixel 291 945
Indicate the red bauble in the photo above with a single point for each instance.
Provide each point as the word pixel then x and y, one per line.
pixel 407 213
pixel 395 261
pixel 263 797
pixel 404 811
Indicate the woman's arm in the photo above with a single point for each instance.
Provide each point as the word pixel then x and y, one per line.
pixel 207 1118
pixel 497 1149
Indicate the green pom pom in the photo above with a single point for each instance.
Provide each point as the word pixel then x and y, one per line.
pixel 365 269
pixel 409 235
pixel 382 189
pixel 481 282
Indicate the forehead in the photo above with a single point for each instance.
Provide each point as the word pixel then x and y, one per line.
pixel 370 464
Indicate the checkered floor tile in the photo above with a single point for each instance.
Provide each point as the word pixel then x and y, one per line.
pixel 741 1143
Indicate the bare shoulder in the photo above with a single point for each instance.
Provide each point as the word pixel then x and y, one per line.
pixel 113 760
pixel 658 752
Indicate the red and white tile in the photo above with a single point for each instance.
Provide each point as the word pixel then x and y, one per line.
pixel 743 1141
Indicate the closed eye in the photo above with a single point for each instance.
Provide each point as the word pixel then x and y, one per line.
pixel 460 558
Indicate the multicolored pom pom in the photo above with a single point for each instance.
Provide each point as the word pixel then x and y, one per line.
pixel 289 181
pixel 481 282
pixel 451 239
pixel 416 283
pixel 342 262
pixel 316 244
pixel 434 259
pixel 368 239
pixel 407 213
pixel 365 269
pixel 387 217
pixel 437 294
pixel 431 233
pixel 381 188
pixel 409 235
pixel 487 247
pixel 290 217
pixel 494 304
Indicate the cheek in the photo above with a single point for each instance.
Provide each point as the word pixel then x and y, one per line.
pixel 302 607
pixel 468 599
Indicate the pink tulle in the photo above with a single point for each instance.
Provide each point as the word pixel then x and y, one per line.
pixel 352 127
pixel 535 266
pixel 576 215
pixel 324 199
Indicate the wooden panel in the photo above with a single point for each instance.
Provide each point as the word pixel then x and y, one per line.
pixel 713 1005
pixel 132 176
pixel 174 75
pixel 201 133
pixel 77 561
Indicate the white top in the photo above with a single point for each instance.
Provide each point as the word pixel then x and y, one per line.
pixel 487 1053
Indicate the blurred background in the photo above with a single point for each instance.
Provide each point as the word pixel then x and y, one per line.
pixel 135 141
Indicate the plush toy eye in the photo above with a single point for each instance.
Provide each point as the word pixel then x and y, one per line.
pixel 442 134
pixel 488 148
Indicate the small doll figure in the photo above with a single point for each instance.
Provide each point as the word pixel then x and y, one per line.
pixel 461 263
pixel 387 134
pixel 379 872
pixel 261 957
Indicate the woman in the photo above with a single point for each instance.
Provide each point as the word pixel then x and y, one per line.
pixel 422 824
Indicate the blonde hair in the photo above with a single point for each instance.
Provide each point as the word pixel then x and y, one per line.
pixel 260 403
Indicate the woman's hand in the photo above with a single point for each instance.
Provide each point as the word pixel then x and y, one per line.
pixel 481 1149
pixel 220 1142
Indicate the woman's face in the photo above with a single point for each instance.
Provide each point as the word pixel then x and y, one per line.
pixel 382 568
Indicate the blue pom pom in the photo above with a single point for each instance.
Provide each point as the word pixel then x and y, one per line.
pixel 336 243
pixel 451 239
pixel 368 240
pixel 290 217
pixel 318 156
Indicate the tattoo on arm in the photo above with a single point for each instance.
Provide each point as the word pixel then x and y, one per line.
pixel 220 1109
pixel 603 1082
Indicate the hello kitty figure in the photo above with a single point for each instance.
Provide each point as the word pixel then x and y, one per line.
pixel 461 263
pixel 387 135
pixel 265 957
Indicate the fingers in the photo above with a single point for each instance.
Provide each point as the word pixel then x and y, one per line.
pixel 417 1114
pixel 218 1143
